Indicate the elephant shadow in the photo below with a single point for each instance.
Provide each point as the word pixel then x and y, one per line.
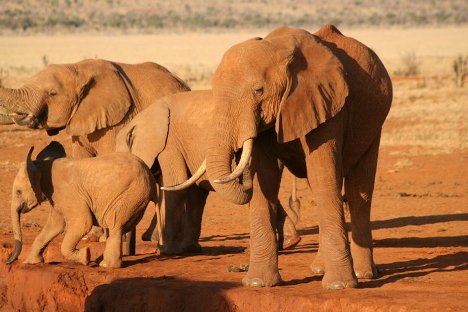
pixel 165 293
pixel 416 270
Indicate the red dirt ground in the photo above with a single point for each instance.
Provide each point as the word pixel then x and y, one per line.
pixel 420 218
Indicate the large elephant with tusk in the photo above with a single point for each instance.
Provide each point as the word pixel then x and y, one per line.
pixel 325 97
pixel 172 135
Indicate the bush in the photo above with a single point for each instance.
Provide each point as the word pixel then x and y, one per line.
pixel 410 65
pixel 460 70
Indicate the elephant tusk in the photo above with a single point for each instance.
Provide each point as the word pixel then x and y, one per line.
pixel 197 175
pixel 16 252
pixel 243 162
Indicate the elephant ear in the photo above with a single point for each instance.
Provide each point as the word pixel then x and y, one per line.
pixel 317 87
pixel 34 175
pixel 52 151
pixel 145 136
pixel 104 99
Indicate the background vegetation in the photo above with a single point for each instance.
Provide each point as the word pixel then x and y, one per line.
pixel 33 16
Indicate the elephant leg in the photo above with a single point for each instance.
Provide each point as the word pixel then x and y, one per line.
pixel 172 209
pixel 287 233
pixel 359 187
pixel 112 257
pixel 263 264
pixel 76 227
pixel 280 224
pixel 54 226
pixel 318 265
pixel 151 233
pixel 324 172
pixel 193 219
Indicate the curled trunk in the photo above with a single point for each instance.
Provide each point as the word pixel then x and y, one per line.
pixel 15 222
pixel 219 164
pixel 16 104
pixel 5 120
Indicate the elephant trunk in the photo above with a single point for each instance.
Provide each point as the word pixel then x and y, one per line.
pixel 5 119
pixel 16 103
pixel 15 222
pixel 219 163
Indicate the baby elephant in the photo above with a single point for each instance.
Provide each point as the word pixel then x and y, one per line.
pixel 111 191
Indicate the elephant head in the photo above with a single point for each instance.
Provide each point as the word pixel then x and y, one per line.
pixel 288 80
pixel 82 97
pixel 27 189
pixel 26 195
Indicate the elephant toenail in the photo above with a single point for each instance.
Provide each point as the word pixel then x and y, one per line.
pixel 368 275
pixel 336 285
pixel 317 270
pixel 256 282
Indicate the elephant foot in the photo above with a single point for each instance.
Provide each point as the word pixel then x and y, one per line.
pixel 367 273
pixel 111 264
pixel 192 248
pixel 290 242
pixel 363 262
pixel 318 267
pixel 83 256
pixel 339 280
pixel 169 250
pixel 261 278
pixel 34 259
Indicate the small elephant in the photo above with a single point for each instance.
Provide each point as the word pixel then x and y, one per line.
pixel 111 191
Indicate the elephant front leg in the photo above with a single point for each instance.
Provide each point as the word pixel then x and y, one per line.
pixel 263 265
pixel 324 171
pixel 54 226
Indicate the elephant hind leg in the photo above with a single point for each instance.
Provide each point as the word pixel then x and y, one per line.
pixel 359 187
pixel 193 219
pixel 76 228
pixel 112 257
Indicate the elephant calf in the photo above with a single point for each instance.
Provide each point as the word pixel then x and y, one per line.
pixel 111 191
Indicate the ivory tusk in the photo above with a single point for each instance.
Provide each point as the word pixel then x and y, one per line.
pixel 243 162
pixel 197 175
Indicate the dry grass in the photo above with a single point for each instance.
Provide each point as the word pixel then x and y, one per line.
pixel 428 115
pixel 55 16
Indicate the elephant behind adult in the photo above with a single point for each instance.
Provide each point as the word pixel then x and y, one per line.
pixel 91 100
pixel 173 132
pixel 326 96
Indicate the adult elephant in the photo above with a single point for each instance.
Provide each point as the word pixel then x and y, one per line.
pixel 326 97
pixel 91 100
pixel 172 134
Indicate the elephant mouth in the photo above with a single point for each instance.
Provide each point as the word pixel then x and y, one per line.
pixel 24 119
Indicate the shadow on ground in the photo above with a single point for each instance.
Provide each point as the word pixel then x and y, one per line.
pixel 164 293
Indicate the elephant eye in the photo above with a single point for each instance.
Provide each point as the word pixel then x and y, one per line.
pixel 52 92
pixel 18 192
pixel 258 90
